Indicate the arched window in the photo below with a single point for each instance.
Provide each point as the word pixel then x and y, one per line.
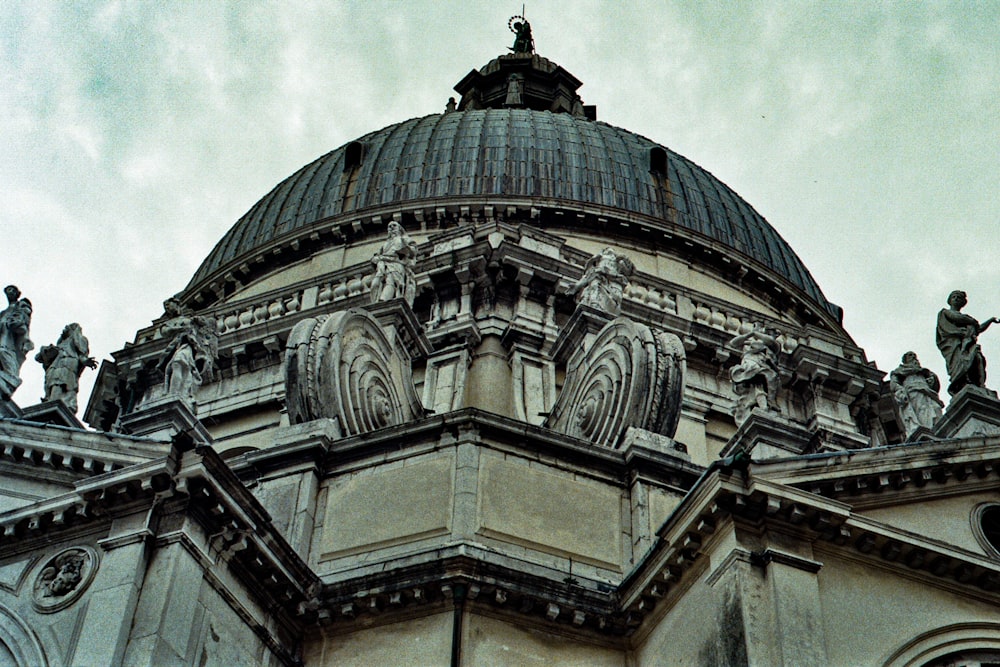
pixel 353 154
pixel 973 644
pixel 986 527
pixel 18 644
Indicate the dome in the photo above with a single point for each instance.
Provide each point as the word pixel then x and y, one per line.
pixel 514 156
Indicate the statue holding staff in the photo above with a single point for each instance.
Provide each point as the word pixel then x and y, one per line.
pixel 958 339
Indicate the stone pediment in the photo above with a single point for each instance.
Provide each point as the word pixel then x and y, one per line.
pixel 739 500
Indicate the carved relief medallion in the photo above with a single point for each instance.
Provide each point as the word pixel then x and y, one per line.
pixel 63 579
pixel 630 376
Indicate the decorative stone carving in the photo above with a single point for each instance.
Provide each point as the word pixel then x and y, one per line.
pixel 755 378
pixel 63 364
pixel 629 376
pixel 603 283
pixel 515 85
pixel 957 338
pixel 915 389
pixel 15 320
pixel 190 356
pixel 63 579
pixel 343 366
pixel 394 262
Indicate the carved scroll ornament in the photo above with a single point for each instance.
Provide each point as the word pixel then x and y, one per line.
pixel 630 376
pixel 342 366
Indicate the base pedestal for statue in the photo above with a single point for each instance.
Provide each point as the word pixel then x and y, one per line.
pixel 973 411
pixel 579 332
pixel 164 418
pixel 52 412
pixel 636 440
pixel 767 435
pixel 402 326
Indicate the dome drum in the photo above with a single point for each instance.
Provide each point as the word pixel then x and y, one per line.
pixel 650 233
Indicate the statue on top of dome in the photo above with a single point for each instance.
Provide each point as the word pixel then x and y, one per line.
pixel 957 337
pixel 523 42
pixel 63 364
pixel 755 378
pixel 603 283
pixel 915 389
pixel 15 320
pixel 394 262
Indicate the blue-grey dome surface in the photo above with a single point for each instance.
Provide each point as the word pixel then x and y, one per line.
pixel 515 153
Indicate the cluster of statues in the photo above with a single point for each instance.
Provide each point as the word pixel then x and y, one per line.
pixel 189 357
pixel 186 362
pixel 63 361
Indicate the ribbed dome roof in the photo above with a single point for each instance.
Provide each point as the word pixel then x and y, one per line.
pixel 556 158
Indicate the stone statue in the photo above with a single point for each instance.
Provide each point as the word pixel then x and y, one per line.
pixel 603 283
pixel 957 338
pixel 15 320
pixel 523 42
pixel 190 356
pixel 915 389
pixel 755 378
pixel 515 87
pixel 394 262
pixel 63 364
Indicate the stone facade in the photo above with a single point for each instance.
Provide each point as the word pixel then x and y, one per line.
pixel 480 466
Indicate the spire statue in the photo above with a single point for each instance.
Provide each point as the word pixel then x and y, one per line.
pixel 523 42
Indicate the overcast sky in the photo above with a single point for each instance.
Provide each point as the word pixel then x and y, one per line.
pixel 133 135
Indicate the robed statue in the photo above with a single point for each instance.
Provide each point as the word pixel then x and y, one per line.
pixel 15 320
pixel 603 283
pixel 523 42
pixel 958 340
pixel 189 358
pixel 915 390
pixel 755 378
pixel 63 364
pixel 394 262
